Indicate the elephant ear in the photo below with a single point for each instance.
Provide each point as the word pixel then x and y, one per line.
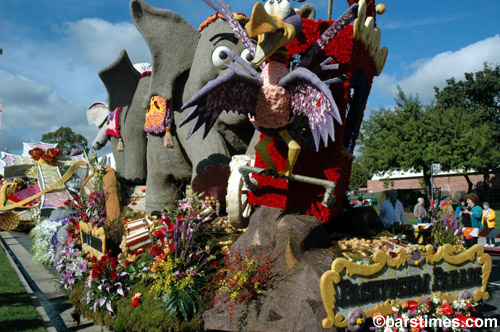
pixel 97 114
pixel 172 43
pixel 120 79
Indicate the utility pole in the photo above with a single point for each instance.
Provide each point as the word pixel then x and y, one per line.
pixel 330 5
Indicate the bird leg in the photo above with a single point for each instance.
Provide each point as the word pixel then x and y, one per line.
pixel 293 153
pixel 263 152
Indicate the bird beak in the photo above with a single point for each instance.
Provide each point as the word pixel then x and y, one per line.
pixel 271 31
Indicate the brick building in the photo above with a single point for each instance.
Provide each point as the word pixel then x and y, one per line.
pixel 451 182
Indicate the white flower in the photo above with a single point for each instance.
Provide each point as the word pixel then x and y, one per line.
pixel 435 300
pixel 395 309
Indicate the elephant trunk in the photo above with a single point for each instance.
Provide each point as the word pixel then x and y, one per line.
pixel 100 140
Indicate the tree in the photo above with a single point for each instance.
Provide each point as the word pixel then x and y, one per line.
pixel 359 176
pixel 65 139
pixel 472 108
pixel 399 138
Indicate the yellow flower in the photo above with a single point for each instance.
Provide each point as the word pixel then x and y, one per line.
pixel 359 321
pixel 416 262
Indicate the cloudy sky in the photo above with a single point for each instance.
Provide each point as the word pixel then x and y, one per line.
pixel 53 49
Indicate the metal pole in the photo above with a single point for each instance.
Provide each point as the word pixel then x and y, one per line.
pixel 251 183
pixel 330 5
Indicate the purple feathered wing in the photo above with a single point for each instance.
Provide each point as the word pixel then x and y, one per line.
pixel 234 90
pixel 312 97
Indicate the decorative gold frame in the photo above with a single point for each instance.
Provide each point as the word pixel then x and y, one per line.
pixel 94 231
pixel 382 259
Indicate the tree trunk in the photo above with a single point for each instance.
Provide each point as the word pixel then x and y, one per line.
pixel 427 180
pixel 330 5
pixel 486 184
pixel 469 183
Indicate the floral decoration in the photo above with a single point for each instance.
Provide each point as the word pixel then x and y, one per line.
pixel 460 310
pixel 71 266
pixel 177 273
pixel 447 231
pixel 45 240
pixel 106 284
pixel 241 279
pixel 50 156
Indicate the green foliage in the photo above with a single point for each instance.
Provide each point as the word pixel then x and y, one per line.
pixel 65 139
pixel 147 316
pixel 460 132
pixel 359 176
pixel 480 89
pixel 399 138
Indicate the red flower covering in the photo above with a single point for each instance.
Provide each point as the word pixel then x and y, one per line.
pixel 36 153
pixel 50 156
pixel 135 302
pixel 447 309
pixel 412 305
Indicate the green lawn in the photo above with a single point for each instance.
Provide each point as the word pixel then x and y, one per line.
pixel 17 312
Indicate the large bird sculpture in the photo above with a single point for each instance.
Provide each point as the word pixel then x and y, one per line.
pixel 274 97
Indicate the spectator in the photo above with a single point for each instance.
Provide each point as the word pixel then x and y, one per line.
pixel 419 210
pixel 447 208
pixel 489 220
pixel 475 211
pixel 459 209
pixel 391 211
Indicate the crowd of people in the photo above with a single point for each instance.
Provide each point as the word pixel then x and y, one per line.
pixel 468 211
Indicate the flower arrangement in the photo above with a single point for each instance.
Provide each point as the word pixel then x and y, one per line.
pixel 48 156
pixel 241 279
pixel 45 240
pixel 458 312
pixel 447 230
pixel 105 284
pixel 177 273
pixel 95 213
pixel 71 266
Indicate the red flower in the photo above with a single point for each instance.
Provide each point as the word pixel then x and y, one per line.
pixel 160 233
pixel 447 309
pixel 113 275
pixel 36 153
pixel 127 262
pixel 466 321
pixel 135 302
pixel 412 305
pixel 155 250
pixel 180 217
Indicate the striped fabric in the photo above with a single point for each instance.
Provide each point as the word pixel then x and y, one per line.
pixel 477 232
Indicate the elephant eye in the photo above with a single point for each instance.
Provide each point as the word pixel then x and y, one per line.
pixel 220 57
pixel 246 55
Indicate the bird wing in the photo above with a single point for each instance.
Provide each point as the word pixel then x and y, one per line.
pixel 234 90
pixel 312 97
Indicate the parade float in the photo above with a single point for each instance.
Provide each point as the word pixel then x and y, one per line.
pixel 274 256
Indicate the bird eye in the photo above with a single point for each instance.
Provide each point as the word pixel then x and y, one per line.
pixel 220 56
pixel 246 55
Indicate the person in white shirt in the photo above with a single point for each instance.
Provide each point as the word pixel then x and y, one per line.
pixel 391 211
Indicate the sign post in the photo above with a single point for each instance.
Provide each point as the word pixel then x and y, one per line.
pixel 435 168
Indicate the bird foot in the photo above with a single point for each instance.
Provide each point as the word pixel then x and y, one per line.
pixel 286 173
pixel 270 172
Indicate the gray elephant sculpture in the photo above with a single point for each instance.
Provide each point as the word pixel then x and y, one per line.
pixel 126 90
pixel 183 63
pixel 184 60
